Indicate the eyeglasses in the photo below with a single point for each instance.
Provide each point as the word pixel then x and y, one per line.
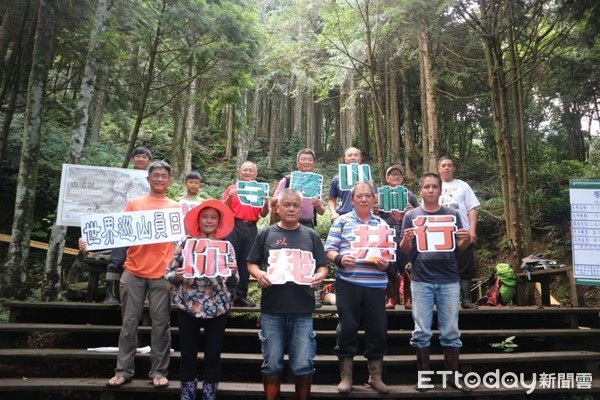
pixel 396 174
pixel 157 177
pixel 306 159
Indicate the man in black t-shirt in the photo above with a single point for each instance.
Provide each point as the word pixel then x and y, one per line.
pixel 287 252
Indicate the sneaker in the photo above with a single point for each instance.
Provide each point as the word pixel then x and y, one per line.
pixel 242 302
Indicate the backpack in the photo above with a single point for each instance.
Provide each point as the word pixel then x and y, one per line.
pixel 501 287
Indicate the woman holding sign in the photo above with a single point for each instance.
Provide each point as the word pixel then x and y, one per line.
pixel 431 234
pixel 204 275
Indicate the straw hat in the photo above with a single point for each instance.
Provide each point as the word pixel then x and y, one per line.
pixel 226 221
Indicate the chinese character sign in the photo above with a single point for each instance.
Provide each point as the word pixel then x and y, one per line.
pixel 307 183
pixel 392 198
pixel 187 205
pixel 290 265
pixel 435 232
pixel 353 173
pixel 251 193
pixel 205 258
pixel 374 242
pixel 85 189
pixel 124 229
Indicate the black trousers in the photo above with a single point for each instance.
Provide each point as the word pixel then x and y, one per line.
pixel 242 238
pixel 189 341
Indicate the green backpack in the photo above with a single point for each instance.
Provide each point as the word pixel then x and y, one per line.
pixel 502 285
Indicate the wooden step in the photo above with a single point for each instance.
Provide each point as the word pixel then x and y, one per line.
pixel 234 390
pixel 465 358
pixel 253 332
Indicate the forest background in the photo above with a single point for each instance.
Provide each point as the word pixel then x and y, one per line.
pixel 509 88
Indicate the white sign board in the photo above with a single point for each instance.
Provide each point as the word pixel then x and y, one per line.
pixel 585 230
pixel 124 229
pixel 86 189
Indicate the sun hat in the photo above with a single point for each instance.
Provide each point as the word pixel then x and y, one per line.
pixel 397 166
pixel 226 221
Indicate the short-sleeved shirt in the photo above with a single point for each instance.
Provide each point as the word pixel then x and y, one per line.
pixel 289 297
pixel 340 238
pixel 345 196
pixel 459 196
pixel 241 211
pixel 149 261
pixel 434 266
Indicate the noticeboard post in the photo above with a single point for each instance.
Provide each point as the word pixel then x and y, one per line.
pixel 585 230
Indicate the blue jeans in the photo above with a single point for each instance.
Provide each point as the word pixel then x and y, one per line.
pixel 446 298
pixel 292 331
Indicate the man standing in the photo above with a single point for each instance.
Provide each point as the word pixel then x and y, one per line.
pixel 144 275
pixel 458 195
pixel 245 231
pixel 360 287
pixel 351 155
pixel 286 308
pixel 435 276
pixel 140 159
pixel 305 162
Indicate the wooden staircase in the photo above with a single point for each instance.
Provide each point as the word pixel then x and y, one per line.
pixel 43 353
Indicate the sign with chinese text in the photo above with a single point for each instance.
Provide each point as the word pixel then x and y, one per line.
pixel 290 265
pixel 86 189
pixel 307 183
pixel 435 232
pixel 187 205
pixel 124 229
pixel 251 193
pixel 353 173
pixel 392 198
pixel 585 230
pixel 205 258
pixel 374 241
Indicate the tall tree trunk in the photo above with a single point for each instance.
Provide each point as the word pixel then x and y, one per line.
pixel 273 123
pixel 51 287
pixel 229 110
pixel 310 118
pixel 407 124
pixel 395 142
pixel 146 87
pixel 190 122
pixel 14 283
pixel 432 133
pixel 298 110
pixel 520 138
pixel 424 113
pixel 98 102
pixel 180 107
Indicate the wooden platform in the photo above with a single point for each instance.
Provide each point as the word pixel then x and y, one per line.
pixel 551 340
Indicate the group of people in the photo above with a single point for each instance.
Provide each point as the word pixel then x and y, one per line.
pixel 364 287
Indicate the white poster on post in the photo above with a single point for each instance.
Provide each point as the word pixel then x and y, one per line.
pixel 87 189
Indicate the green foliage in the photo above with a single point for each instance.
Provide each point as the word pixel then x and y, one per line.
pixel 506 345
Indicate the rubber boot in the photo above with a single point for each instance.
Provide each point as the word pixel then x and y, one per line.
pixel 345 385
pixel 451 356
pixel 423 364
pixel 375 371
pixel 406 295
pixel 465 294
pixel 188 390
pixel 390 295
pixel 112 293
pixel 209 390
pixel 318 302
pixel 272 385
pixel 303 387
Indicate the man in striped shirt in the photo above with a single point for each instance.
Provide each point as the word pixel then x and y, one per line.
pixel 360 290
